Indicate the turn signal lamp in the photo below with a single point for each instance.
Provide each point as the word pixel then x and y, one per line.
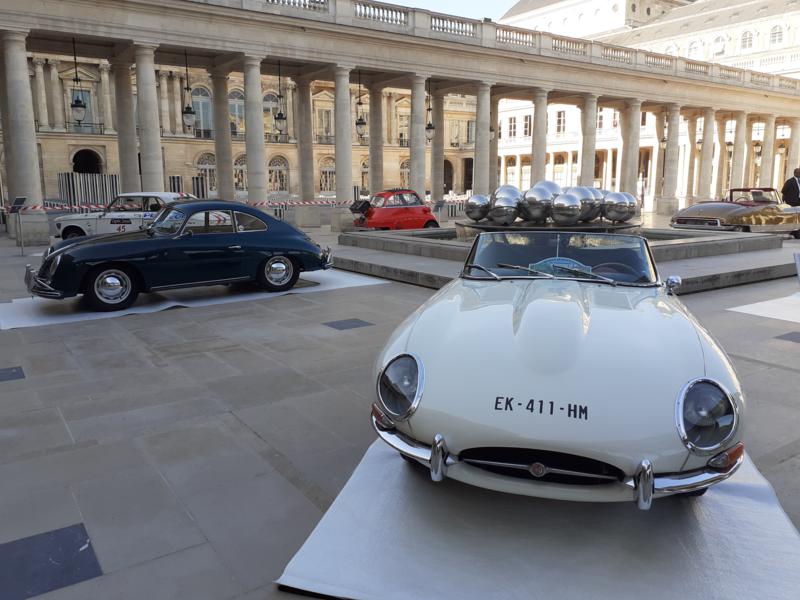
pixel 725 460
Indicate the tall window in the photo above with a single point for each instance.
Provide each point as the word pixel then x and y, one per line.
pixel 747 40
pixel 643 119
pixel 271 109
pixel 236 108
pixel 719 46
pixel 561 121
pixel 694 50
pixel 512 127
pixel 405 173
pixel 240 172
pixel 207 169
pixel 599 118
pixel 776 36
pixel 365 175
pixel 201 103
pixel 403 129
pixel 470 132
pixel 327 174
pixel 526 126
pixel 278 174
pixel 325 125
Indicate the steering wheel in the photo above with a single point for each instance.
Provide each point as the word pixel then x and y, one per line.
pixel 742 199
pixel 618 267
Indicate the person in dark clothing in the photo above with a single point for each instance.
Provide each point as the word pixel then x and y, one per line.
pixel 791 189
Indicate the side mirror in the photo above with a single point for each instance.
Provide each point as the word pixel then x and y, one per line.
pixel 673 284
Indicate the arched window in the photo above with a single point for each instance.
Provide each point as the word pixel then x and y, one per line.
pixel 405 173
pixel 365 175
pixel 240 173
pixel 747 40
pixel 207 169
pixel 236 108
pixel 672 50
pixel 201 103
pixel 327 174
pixel 87 161
pixel 694 50
pixel 776 35
pixel 271 110
pixel 279 175
pixel 719 46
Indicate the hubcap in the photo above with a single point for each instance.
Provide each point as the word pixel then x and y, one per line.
pixel 279 270
pixel 112 286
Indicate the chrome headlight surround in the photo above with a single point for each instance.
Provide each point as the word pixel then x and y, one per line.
pixel 413 403
pixel 54 265
pixel 681 425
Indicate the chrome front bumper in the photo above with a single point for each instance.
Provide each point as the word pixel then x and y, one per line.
pixel 327 257
pixel 644 485
pixel 39 287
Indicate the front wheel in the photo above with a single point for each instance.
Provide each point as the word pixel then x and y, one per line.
pixel 110 288
pixel 431 225
pixel 278 274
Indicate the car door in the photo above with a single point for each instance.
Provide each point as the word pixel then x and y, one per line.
pixel 394 214
pixel 207 250
pixel 124 214
pixel 416 212
pixel 248 230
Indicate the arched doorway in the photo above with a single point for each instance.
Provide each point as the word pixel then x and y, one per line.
pixel 87 161
pixel 448 176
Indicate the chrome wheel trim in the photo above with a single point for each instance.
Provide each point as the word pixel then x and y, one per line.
pixel 279 271
pixel 113 286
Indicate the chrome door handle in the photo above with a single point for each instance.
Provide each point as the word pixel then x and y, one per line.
pixel 234 247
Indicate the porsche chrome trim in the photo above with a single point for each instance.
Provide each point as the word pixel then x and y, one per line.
pixel 703 451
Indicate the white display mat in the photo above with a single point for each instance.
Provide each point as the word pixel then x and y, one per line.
pixel 785 309
pixel 35 312
pixel 394 534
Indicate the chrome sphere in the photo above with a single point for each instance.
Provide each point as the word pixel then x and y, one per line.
pixel 551 186
pixel 566 210
pixel 634 204
pixel 505 209
pixel 598 204
pixel 536 204
pixel 617 207
pixel 504 191
pixel 477 207
pixel 588 203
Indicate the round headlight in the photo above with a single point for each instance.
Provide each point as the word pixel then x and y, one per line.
pixel 400 386
pixel 706 415
pixel 53 266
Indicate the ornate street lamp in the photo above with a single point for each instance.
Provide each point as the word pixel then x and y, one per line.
pixel 280 119
pixel 699 144
pixel 361 122
pixel 188 114
pixel 663 143
pixel 430 128
pixel 781 148
pixel 492 133
pixel 78 106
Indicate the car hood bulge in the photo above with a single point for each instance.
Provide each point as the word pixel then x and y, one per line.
pixel 621 353
pixel 714 210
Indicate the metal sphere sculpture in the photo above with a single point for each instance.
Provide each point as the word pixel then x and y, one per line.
pixel 634 203
pixel 588 203
pixel 617 207
pixel 598 204
pixel 536 204
pixel 566 210
pixel 554 189
pixel 477 207
pixel 505 204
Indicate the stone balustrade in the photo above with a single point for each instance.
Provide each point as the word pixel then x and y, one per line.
pixel 516 37
pixel 381 13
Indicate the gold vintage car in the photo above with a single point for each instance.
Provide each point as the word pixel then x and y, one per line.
pixel 745 209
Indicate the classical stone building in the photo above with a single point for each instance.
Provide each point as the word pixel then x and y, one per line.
pixel 614 94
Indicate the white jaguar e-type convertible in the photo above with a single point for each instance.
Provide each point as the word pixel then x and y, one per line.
pixel 558 365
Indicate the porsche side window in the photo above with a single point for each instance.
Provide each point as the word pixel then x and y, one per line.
pixel 245 222
pixel 210 221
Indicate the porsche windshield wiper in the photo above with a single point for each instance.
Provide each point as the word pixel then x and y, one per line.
pixel 528 269
pixel 484 269
pixel 588 274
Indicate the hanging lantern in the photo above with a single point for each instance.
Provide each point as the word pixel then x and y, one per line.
pixel 188 114
pixel 361 126
pixel 77 106
pixel 430 128
pixel 281 122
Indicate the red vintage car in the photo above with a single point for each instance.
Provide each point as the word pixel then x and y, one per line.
pixel 393 209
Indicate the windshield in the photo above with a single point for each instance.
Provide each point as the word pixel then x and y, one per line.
pixel 168 221
pixel 765 196
pixel 600 257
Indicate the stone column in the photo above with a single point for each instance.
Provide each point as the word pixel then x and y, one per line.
pixel 539 146
pixel 19 128
pixel 56 98
pixel 417 137
pixel 589 133
pixel 5 135
pixel 254 130
pixel 305 140
pixel 793 154
pixel 291 134
pixel 223 148
pixel 503 167
pixel 739 150
pixel 129 180
pixel 518 182
pixel 163 94
pixel 691 156
pixel 630 148
pixel 375 138
pixel 437 153
pixel 177 103
pixel 494 144
pixel 149 133
pixel 657 180
pixel 105 92
pixel 749 162
pixel 668 203
pixel 41 94
pixel 344 135
pixel 480 176
pixel 722 158
pixel 706 156
pixel 768 153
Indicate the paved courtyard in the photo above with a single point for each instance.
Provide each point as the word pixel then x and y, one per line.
pixel 199 447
